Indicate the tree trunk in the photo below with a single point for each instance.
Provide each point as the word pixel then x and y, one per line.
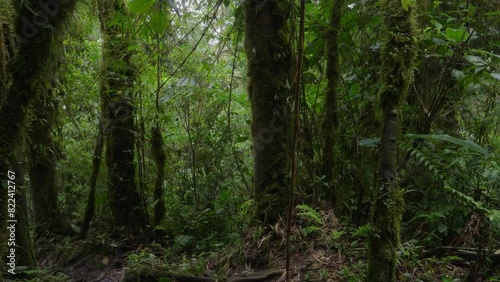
pixel 42 158
pixel 331 105
pixel 269 58
pixel 34 45
pixel 387 206
pixel 117 87
pixel 4 58
pixel 159 157
pixel 24 250
pixel 96 164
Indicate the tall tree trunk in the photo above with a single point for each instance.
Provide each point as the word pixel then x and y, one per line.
pixel 4 58
pixel 33 53
pixel 331 105
pixel 159 157
pixel 42 150
pixel 269 58
pixel 117 86
pixel 96 164
pixel 6 46
pixel 397 72
pixel 24 246
pixel 42 158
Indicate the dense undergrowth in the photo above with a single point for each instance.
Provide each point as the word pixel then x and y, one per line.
pixel 322 249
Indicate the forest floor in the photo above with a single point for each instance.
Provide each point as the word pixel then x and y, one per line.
pixel 327 252
pixel 312 260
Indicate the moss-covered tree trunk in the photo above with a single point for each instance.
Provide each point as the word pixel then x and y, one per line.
pixel 387 207
pixel 331 105
pixel 269 58
pixel 35 26
pixel 4 58
pixel 6 46
pixel 117 86
pixel 24 250
pixel 42 157
pixel 35 35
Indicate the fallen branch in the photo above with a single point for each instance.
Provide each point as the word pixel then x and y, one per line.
pixel 266 275
pixel 467 254
pixel 145 275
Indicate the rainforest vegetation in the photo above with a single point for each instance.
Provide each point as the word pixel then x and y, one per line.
pixel 252 140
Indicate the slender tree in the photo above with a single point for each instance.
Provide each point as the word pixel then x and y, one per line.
pixel 397 73
pixel 96 164
pixel 269 81
pixel 331 105
pixel 117 86
pixel 159 157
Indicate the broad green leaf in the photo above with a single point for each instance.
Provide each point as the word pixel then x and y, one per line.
pixel 442 228
pixel 475 60
pixel 408 3
pixel 159 22
pixel 458 75
pixel 456 35
pixel 370 143
pixel 437 24
pixel 468 144
pixel 494 215
pixel 241 139
pixel 496 75
pixel 140 6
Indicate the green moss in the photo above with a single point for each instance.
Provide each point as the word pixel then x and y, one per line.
pixel 117 88
pixel 398 56
pixel 269 81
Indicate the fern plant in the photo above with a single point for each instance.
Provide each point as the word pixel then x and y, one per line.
pixel 463 179
pixel 312 218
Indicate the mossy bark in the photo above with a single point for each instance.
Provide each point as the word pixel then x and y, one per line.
pixel 398 57
pixel 24 250
pixel 331 102
pixel 6 46
pixel 4 57
pixel 42 157
pixel 35 37
pixel 32 54
pixel 269 58
pixel 117 86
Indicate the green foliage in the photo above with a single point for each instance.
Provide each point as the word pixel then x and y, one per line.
pixel 309 214
pixel 468 144
pixel 463 182
pixel 208 172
